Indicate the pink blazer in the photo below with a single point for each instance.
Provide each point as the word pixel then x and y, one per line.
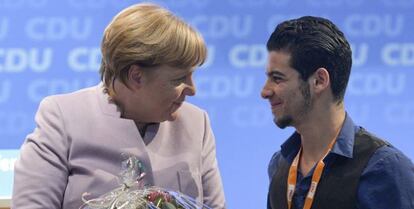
pixel 77 147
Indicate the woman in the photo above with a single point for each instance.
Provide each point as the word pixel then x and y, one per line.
pixel 148 57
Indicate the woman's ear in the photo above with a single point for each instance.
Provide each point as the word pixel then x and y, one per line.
pixel 135 76
pixel 320 80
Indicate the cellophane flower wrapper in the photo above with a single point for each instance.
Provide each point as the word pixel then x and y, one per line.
pixel 131 194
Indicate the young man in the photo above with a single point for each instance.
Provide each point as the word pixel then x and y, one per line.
pixel 329 162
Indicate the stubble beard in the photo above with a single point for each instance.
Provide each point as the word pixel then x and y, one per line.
pixel 288 120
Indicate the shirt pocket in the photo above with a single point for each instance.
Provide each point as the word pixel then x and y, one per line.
pixel 189 183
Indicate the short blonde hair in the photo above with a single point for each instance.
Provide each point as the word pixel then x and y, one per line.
pixel 148 35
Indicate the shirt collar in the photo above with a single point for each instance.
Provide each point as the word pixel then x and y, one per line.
pixel 344 145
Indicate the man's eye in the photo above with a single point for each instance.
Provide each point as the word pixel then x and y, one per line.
pixel 276 79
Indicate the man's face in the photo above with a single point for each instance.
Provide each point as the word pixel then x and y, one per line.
pixel 162 93
pixel 288 94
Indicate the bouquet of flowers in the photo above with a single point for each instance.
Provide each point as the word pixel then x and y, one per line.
pixel 131 194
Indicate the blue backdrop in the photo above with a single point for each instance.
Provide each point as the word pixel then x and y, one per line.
pixel 49 47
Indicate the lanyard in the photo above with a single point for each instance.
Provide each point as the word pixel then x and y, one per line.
pixel 293 170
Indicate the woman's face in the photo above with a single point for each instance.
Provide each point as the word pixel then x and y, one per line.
pixel 160 94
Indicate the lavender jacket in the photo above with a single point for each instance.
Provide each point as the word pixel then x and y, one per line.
pixel 77 144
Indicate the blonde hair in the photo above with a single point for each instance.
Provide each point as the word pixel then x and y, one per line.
pixel 148 35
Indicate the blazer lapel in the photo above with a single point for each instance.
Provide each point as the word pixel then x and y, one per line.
pixel 127 131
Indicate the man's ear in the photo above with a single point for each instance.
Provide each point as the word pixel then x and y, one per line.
pixel 135 76
pixel 320 80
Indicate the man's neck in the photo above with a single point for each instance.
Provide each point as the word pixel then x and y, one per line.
pixel 317 132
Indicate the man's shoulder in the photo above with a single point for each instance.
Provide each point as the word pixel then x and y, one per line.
pixel 387 157
pixel 273 164
pixel 390 175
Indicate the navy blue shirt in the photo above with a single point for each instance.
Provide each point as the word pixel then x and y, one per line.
pixel 387 182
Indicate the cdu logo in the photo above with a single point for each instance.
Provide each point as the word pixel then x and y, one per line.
pixel 18 60
pixel 58 28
